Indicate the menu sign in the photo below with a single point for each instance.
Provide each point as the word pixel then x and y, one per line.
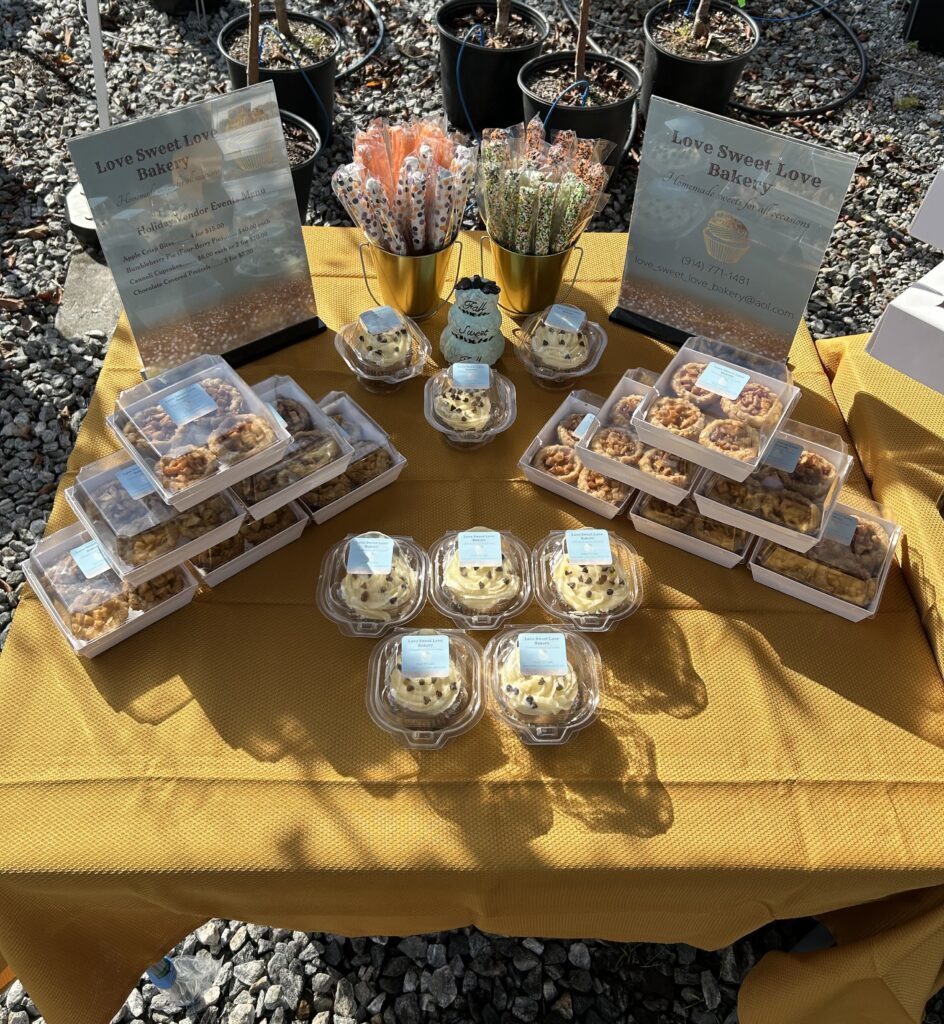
pixel 729 226
pixel 197 217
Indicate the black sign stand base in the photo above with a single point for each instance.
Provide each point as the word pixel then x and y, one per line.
pixel 653 328
pixel 273 342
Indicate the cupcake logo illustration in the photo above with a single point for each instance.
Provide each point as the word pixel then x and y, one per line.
pixel 726 238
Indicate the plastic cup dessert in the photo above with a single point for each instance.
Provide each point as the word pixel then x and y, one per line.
pixel 559 345
pixel 480 577
pixel 587 578
pixel 545 681
pixel 371 583
pixel 383 348
pixel 425 686
pixel 469 404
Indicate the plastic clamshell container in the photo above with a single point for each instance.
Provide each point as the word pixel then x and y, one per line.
pixel 547 726
pixel 731 368
pixel 768 482
pixel 370 616
pixel 817 574
pixel 198 422
pixel 500 394
pixel 536 334
pixel 140 536
pixel 681 536
pixel 397 702
pixel 576 402
pixel 375 376
pixel 73 600
pixel 637 478
pixel 483 608
pixel 318 451
pixel 551 551
pixel 367 438
pixel 289 524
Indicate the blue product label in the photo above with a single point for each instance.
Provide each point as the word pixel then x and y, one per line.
pixel 588 547
pixel 542 654
pixel 784 455
pixel 841 528
pixel 583 426
pixel 381 320
pixel 474 376
pixel 89 558
pixel 425 656
pixel 370 553
pixel 277 415
pixel 133 480
pixel 723 380
pixel 565 318
pixel 479 547
pixel 190 403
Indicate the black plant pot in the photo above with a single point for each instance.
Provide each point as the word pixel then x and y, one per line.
pixel 489 75
pixel 179 8
pixel 291 89
pixel 303 173
pixel 613 121
pixel 706 84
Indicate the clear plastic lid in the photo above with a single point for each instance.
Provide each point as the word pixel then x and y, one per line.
pixel 685 518
pixel 190 436
pixel 717 406
pixel 850 563
pixel 426 686
pixel 587 578
pixel 318 450
pixel 559 344
pixel 86 598
pixel 138 533
pixel 794 490
pixel 546 681
pixel 470 403
pixel 252 533
pixel 370 583
pixel 480 577
pixel 610 445
pixel 383 348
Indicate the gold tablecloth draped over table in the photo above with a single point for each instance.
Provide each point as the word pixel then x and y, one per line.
pixel 756 758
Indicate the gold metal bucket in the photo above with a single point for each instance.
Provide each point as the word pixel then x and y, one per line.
pixel 528 283
pixel 411 284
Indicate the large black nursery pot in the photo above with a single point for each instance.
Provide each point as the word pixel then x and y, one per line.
pixel 180 8
pixel 706 84
pixel 291 89
pixel 303 173
pixel 489 76
pixel 611 121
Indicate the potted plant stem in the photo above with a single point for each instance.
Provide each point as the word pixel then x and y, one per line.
pixel 302 141
pixel 479 66
pixel 302 68
pixel 591 93
pixel 696 57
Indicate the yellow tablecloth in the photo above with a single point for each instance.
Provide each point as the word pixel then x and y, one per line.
pixel 756 758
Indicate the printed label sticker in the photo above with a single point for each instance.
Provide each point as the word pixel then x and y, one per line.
pixel 370 553
pixel 542 654
pixel 133 480
pixel 479 547
pixel 425 656
pixel 474 376
pixel 723 380
pixel 89 558
pixel 190 403
pixel 784 455
pixel 588 547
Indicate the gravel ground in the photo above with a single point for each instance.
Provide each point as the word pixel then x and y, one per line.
pixel 46 380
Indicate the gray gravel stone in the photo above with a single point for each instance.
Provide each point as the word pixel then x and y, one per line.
pixel 249 973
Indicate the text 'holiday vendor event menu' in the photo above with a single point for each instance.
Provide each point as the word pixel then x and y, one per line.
pixel 197 217
pixel 729 227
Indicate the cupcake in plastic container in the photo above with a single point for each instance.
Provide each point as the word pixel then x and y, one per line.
pixel 589 579
pixel 559 345
pixel 425 686
pixel 469 404
pixel 480 577
pixel 546 681
pixel 371 583
pixel 383 349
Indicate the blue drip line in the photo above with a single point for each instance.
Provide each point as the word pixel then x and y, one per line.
pixel 563 92
pixel 274 31
pixel 465 109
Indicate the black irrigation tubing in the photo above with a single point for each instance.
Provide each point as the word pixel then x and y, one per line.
pixel 378 42
pixel 772 113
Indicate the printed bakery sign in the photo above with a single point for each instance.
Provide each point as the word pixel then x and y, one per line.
pixel 729 227
pixel 196 214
